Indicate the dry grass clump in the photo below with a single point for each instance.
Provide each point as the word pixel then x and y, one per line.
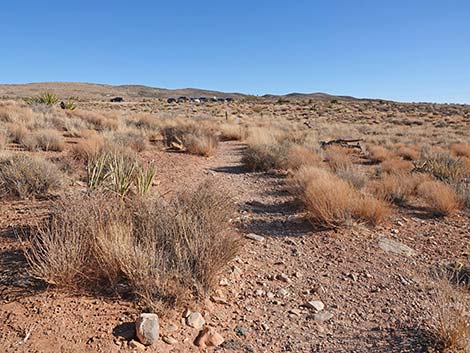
pixel 298 156
pixel 460 149
pixel 440 198
pixel 396 166
pixel 339 160
pixel 89 145
pixel 159 252
pixel 232 132
pixel 331 201
pixel 265 157
pixel 451 320
pixel 191 138
pixel 17 132
pixel 99 121
pixel 3 140
pixel 45 140
pixel 23 176
pixel 135 140
pixel 378 154
pixel 397 188
pixel 408 153
pixel 462 190
pixel 12 112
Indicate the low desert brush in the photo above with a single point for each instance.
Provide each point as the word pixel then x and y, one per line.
pixel 299 156
pixel 378 154
pixel 45 140
pixel 460 149
pixel 191 138
pixel 24 176
pixel 443 167
pixel 159 252
pixel 331 201
pixel 46 98
pixel 439 197
pixel 265 157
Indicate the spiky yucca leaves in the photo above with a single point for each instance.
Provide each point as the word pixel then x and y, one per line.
pixel 46 98
pixel 144 178
pixel 96 169
pixel 121 171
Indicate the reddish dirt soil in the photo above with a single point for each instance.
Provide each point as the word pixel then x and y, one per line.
pixel 380 301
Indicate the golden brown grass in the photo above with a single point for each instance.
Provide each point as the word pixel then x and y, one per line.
pixel 89 145
pixel 378 154
pixel 299 156
pixel 160 252
pixel 460 149
pixel 340 162
pixel 198 140
pixel 439 197
pixel 409 153
pixel 396 166
pixel 232 132
pixel 45 139
pixel 331 201
pixel 23 176
pixel 451 319
pixel 397 188
pixel 201 144
pixel 99 121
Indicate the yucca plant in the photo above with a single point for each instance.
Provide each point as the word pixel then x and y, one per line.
pixel 68 105
pixel 143 178
pixel 96 170
pixel 121 173
pixel 46 98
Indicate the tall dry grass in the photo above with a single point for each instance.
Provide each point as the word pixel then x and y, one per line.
pixel 439 197
pixel 158 251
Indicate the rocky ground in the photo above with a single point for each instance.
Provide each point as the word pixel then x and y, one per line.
pixel 292 288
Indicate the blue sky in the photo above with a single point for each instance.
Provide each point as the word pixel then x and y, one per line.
pixel 413 50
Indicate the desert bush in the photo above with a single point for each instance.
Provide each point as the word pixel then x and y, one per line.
pixel 23 176
pixel 408 153
pixel 462 189
pixel 90 144
pixel 136 140
pixel 68 105
pixel 331 201
pixel 11 112
pixel 231 132
pixel 159 251
pixel 460 149
pixel 17 132
pixel 190 138
pixel 99 121
pixel 3 139
pixel 439 197
pixel 340 162
pixel 397 188
pixel 396 166
pixel 450 328
pixel 298 156
pixel 378 154
pixel 265 157
pixel 45 139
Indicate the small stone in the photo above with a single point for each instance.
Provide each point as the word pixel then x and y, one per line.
pixel 322 317
pixel 282 292
pixel 395 247
pixel 315 305
pixel 147 328
pixel 224 282
pixel 219 300
pixel 171 328
pixel 255 237
pixel 136 345
pixel 270 295
pixel 240 331
pixel 283 277
pixel 169 340
pixel 295 312
pixel 260 292
pixel 208 337
pixel 195 320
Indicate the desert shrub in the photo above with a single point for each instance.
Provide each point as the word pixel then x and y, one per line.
pixel 396 166
pixel 450 328
pixel 100 122
pixel 45 139
pixel 460 149
pixel 462 189
pixel 397 188
pixel 331 201
pixel 23 176
pixel 340 162
pixel 265 157
pixel 75 126
pixel 46 98
pixel 443 167
pixel 68 105
pixel 90 144
pixel 11 112
pixel 408 153
pixel 378 154
pixel 158 251
pixel 145 121
pixel 298 156
pixel 191 138
pixel 17 132
pixel 3 139
pixel 439 197
pixel 230 132
pixel 134 139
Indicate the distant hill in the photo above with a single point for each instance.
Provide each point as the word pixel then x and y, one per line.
pixel 93 91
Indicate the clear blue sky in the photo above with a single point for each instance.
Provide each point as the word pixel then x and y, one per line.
pixel 413 50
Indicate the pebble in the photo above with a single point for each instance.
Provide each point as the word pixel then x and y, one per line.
pixel 208 337
pixel 147 328
pixel 315 305
pixel 322 317
pixel 136 345
pixel 195 320
pixel 395 247
pixel 169 340
pixel 283 277
pixel 282 292
pixel 255 237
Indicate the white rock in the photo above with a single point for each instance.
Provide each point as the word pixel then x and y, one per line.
pixel 147 328
pixel 255 237
pixel 195 320
pixel 315 305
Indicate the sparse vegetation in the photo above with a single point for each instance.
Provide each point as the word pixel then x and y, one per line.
pixel 46 98
pixel 24 176
pixel 440 198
